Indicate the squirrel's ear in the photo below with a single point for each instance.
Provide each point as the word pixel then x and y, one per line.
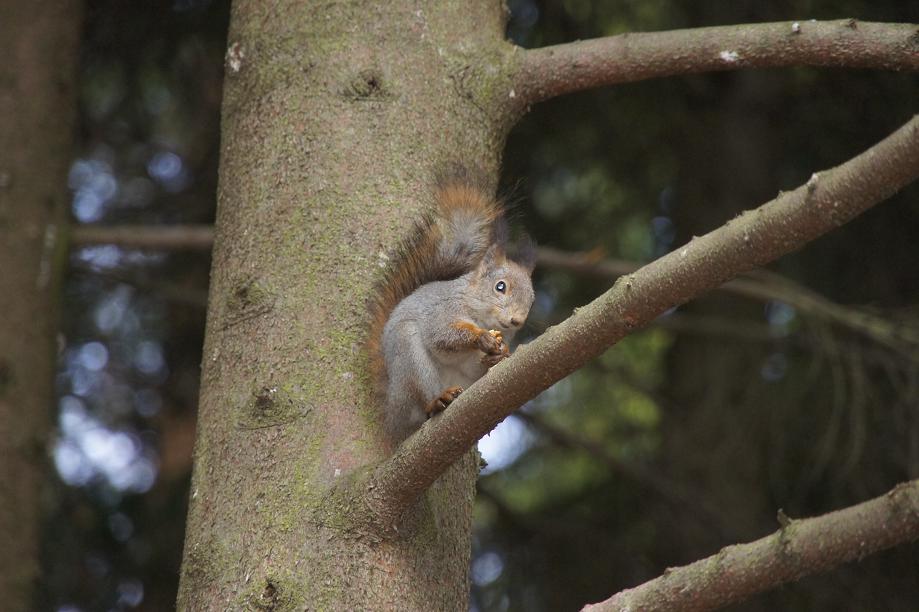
pixel 494 257
pixel 525 253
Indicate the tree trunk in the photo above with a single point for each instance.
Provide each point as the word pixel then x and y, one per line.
pixel 335 118
pixel 39 47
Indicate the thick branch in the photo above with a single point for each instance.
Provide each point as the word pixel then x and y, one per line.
pixel 752 239
pixel 153 237
pixel 800 548
pixel 553 71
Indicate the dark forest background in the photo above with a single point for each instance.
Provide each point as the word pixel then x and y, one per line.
pixel 688 436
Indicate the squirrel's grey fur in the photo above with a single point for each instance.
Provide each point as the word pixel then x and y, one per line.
pixel 449 305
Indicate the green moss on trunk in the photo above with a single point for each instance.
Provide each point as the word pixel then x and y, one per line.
pixel 335 120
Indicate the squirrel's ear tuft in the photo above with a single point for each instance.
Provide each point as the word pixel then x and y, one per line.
pixel 500 232
pixel 525 253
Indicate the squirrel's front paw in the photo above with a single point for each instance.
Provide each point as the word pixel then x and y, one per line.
pixel 497 351
pixel 439 403
pixel 492 343
pixel 490 360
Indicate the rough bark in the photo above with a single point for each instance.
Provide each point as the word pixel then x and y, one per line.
pixel 560 69
pixel 38 43
pixel 801 547
pixel 335 117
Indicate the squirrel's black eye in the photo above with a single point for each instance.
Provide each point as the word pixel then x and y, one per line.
pixel 501 287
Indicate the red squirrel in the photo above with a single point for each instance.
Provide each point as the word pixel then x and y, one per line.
pixel 449 303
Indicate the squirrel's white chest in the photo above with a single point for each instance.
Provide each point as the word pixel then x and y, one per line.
pixel 459 368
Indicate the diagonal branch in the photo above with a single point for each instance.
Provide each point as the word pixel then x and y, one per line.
pixel 553 71
pixel 778 227
pixel 801 547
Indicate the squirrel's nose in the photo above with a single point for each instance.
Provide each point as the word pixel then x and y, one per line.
pixel 515 322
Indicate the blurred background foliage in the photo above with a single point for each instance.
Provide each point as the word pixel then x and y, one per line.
pixel 685 437
pixel 133 324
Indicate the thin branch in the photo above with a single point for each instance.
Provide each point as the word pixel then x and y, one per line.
pixel 901 337
pixel 720 326
pixel 759 285
pixel 152 237
pixel 587 263
pixel 801 547
pixel 669 491
pixel 553 71
pixel 752 239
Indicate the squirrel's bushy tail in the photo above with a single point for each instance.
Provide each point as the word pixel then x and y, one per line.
pixel 445 244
